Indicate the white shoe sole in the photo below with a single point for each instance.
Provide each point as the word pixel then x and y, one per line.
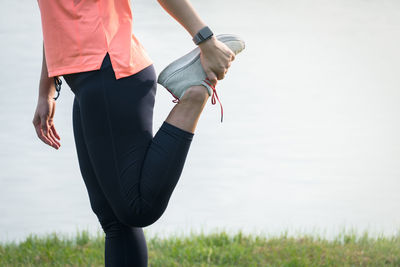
pixel 187 70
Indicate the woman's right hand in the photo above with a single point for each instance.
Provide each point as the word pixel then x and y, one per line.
pixel 43 121
pixel 216 58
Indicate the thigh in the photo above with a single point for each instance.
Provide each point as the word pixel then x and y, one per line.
pixel 117 117
pixel 98 201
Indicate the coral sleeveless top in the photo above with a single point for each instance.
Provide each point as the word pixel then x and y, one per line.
pixel 77 34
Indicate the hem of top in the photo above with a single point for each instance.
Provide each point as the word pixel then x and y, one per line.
pixel 74 69
pixel 133 70
pixel 83 68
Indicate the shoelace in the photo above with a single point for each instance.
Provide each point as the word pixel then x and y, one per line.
pixel 214 95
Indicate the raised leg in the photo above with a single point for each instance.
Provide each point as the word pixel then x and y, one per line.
pixel 136 172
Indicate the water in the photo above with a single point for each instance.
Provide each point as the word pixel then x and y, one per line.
pixel 310 134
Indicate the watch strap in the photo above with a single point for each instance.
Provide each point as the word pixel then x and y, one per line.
pixel 202 35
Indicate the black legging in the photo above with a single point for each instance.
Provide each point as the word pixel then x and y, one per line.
pixel 129 175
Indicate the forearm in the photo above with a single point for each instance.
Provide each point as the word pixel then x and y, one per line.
pixel 46 85
pixel 215 56
pixel 183 12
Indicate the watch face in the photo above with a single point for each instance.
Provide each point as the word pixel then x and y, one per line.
pixel 202 35
pixel 205 33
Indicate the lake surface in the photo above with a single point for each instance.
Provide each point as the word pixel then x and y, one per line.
pixel 310 138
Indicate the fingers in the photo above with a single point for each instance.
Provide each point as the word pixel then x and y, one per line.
pixel 44 126
pixel 223 71
pixel 233 56
pixel 55 132
pixel 53 138
pixel 217 62
pixel 212 77
pixel 40 134
pixel 221 75
pixel 47 134
pixel 50 134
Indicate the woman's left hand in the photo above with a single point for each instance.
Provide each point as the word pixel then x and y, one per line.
pixel 44 123
pixel 216 58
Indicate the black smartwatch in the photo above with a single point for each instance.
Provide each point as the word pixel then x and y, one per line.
pixel 202 35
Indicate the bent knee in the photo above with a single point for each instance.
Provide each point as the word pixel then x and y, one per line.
pixel 141 215
pixel 138 215
pixel 142 219
pixel 113 228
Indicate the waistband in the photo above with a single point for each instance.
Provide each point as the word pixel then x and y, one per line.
pixel 73 79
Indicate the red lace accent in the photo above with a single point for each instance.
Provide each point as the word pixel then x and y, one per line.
pixel 176 100
pixel 215 95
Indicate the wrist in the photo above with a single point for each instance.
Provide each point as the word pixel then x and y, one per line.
pixel 46 93
pixel 43 99
pixel 46 88
pixel 202 35
pixel 207 44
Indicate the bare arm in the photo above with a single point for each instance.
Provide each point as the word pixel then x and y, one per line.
pixel 215 55
pixel 46 85
pixel 45 109
pixel 183 12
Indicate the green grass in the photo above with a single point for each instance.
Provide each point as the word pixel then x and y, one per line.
pixel 214 249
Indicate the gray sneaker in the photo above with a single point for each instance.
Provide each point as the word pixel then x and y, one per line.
pixel 187 70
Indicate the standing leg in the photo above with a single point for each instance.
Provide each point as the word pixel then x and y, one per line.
pixel 124 245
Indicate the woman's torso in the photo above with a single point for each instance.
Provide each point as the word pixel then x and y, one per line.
pixel 77 35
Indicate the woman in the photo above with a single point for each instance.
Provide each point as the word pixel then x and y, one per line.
pixel 129 174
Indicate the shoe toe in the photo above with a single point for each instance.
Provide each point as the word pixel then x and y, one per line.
pixel 234 42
